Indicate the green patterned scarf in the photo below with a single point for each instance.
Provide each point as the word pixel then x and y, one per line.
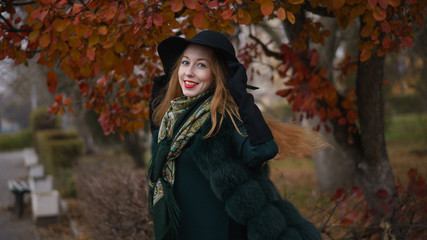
pixel 187 115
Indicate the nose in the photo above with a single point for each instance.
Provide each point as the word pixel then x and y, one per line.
pixel 189 71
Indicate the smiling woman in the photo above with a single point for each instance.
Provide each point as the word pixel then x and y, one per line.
pixel 208 177
pixel 195 73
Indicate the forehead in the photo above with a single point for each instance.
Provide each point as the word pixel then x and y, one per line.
pixel 198 51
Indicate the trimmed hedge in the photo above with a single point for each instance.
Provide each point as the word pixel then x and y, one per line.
pixel 41 119
pixel 16 140
pixel 59 151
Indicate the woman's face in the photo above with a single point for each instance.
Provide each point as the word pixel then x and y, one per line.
pixel 195 71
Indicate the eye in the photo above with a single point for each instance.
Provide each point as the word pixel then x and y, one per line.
pixel 201 65
pixel 185 62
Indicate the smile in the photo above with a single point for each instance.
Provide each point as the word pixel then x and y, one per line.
pixel 190 84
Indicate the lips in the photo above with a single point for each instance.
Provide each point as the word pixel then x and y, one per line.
pixel 189 84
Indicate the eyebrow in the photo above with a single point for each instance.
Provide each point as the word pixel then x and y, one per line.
pixel 198 59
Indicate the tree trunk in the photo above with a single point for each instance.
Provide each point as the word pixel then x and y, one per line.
pixel 373 170
pixel 135 149
pixel 366 154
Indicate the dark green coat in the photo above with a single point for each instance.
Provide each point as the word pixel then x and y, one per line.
pixel 218 191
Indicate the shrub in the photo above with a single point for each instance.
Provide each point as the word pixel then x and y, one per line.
pixel 58 148
pixel 40 119
pixel 114 201
pixel 349 217
pixel 59 151
pixel 14 141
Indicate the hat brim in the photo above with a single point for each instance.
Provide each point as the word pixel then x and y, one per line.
pixel 171 49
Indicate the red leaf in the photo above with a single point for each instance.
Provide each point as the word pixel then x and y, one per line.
pixel 382 193
pixel 176 5
pixel 199 20
pixel 339 193
pixel 52 81
pixel 191 4
pixel 158 20
pixel 372 3
pixel 407 42
pixel 383 3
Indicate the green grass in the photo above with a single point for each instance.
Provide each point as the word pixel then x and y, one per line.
pixel 407 127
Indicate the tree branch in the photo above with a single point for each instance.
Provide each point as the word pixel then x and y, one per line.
pixel 268 52
pixel 11 27
pixel 23 4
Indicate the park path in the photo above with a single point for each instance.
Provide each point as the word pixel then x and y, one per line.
pixel 11 227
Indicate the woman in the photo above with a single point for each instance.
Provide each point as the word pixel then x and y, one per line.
pixel 207 177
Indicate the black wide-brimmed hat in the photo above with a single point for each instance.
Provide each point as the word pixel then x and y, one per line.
pixel 171 48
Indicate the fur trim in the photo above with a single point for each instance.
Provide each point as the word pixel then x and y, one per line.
pixel 249 195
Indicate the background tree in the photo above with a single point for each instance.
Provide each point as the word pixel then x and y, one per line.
pixel 107 48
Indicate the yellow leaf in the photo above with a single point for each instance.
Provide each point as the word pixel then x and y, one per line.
pixel 120 47
pixel 267 7
pixel 82 30
pixel 74 41
pixel 243 17
pixel 103 30
pixel 34 35
pixel 291 17
pixel 93 39
pixel 281 14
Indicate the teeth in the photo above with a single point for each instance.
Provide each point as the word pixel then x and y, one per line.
pixel 190 83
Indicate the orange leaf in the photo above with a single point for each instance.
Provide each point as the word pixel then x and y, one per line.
pixel 291 17
pixel 365 55
pixel 59 25
pixel 296 2
pixel 394 3
pixel 176 5
pixel 44 40
pixel 267 7
pixel 227 14
pixel 379 13
pixel 52 81
pixel 385 27
pixel 281 14
pixel 336 4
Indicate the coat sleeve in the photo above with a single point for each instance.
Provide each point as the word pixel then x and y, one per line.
pixel 253 155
